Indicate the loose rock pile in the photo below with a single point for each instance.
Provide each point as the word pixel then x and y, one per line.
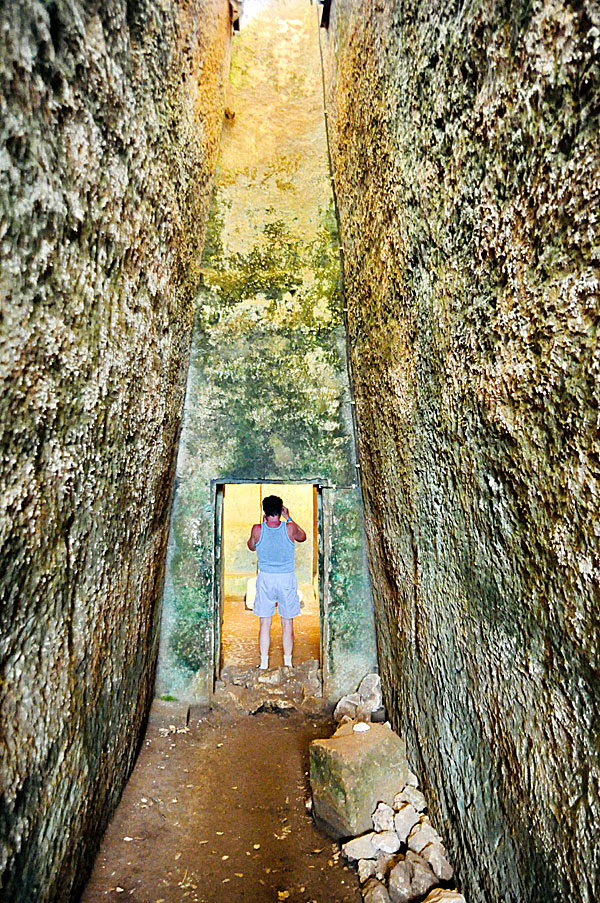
pixel 281 690
pixel 402 859
pixel 364 705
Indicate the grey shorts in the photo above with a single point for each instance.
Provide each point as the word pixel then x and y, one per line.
pixel 276 588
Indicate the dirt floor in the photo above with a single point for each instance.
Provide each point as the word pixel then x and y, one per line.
pixel 216 812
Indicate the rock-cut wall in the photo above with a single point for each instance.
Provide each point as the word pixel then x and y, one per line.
pixel 268 395
pixel 466 162
pixel 110 116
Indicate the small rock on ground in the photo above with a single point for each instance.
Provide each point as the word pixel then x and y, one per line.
pixel 346 706
pixel 383 818
pixel 421 835
pixel 270 676
pixel 405 820
pixel 434 854
pixel 360 848
pixel 441 895
pixel 410 879
pixel 366 869
pixel 375 892
pixel 370 691
pixel 411 795
pixel 384 863
pixel 387 841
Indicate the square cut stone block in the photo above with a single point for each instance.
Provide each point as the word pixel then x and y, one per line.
pixel 351 773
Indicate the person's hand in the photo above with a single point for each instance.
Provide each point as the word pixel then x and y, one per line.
pixel 285 513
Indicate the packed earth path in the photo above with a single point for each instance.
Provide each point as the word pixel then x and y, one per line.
pixel 215 810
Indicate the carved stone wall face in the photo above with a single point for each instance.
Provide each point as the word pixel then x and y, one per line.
pixel 110 120
pixel 268 395
pixel 467 169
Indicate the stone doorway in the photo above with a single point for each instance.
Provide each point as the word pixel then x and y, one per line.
pixel 238 506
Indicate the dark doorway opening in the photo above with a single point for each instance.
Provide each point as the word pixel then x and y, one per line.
pixel 238 506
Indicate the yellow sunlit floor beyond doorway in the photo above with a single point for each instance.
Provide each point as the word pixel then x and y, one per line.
pixel 239 634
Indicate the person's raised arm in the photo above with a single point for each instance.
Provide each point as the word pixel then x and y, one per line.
pixel 254 537
pixel 294 531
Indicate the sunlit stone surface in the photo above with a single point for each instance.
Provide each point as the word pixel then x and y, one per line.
pixel 268 394
pixel 466 157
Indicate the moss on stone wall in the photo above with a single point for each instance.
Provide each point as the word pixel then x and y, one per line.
pixel 467 168
pixel 268 391
pixel 267 399
pixel 109 125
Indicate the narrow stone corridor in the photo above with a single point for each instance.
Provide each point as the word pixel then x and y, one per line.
pixel 348 249
pixel 215 811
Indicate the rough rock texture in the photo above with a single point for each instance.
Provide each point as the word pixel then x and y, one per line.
pixel 110 115
pixel 360 848
pixel 375 892
pixel 467 167
pixel 350 774
pixel 440 895
pixel 405 820
pixel 383 818
pixel 410 879
pixel 268 395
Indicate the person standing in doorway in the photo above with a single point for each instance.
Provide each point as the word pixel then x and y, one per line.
pixel 274 541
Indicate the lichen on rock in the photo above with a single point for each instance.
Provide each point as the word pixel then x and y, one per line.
pixel 466 163
pixel 110 121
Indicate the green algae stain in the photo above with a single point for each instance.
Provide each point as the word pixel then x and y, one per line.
pixel 268 395
pixel 268 330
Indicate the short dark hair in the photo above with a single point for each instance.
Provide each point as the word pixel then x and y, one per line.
pixel 272 505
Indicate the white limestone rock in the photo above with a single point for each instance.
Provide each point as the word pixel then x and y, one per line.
pixel 270 677
pixel 410 795
pixel 375 892
pixel 421 835
pixel 387 841
pixel 441 895
pixel 346 706
pixel 405 820
pixel 385 863
pixel 412 780
pixel 383 818
pixel 410 879
pixel 434 854
pixel 360 848
pixel 399 882
pixel 370 691
pixel 366 869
